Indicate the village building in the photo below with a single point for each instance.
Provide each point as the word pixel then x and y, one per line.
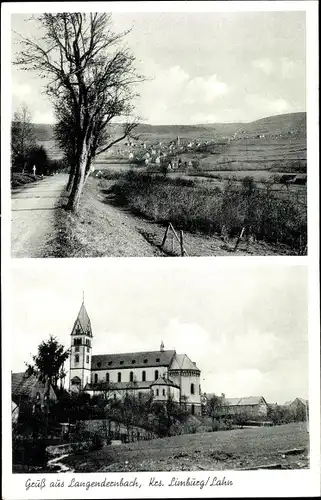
pixel 162 373
pixel 253 406
pixel 299 407
pixel 29 390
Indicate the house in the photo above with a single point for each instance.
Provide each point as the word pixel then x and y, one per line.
pixel 27 389
pixel 164 373
pixel 253 406
pixel 299 407
pixel 14 412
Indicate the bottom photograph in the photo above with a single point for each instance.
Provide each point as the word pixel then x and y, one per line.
pixel 127 367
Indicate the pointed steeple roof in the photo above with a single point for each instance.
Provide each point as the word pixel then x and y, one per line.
pixel 82 325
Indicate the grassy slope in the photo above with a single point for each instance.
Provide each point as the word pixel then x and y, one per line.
pixel 221 450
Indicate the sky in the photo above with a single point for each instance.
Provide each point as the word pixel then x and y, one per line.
pixel 245 327
pixel 200 67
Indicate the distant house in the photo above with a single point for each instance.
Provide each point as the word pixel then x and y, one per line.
pixel 299 407
pixel 29 389
pixel 253 406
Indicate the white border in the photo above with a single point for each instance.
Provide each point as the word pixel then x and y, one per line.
pixel 266 483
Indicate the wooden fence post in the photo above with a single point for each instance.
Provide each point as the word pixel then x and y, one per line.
pixel 239 239
pixel 165 236
pixel 182 244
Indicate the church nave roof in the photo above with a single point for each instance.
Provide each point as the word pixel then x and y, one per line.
pixel 132 360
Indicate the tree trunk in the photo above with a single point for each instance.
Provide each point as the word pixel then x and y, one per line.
pixel 79 181
pixel 71 178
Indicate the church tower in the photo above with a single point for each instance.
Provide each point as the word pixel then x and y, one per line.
pixel 80 351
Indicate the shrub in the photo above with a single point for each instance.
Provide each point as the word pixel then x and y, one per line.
pixel 97 442
pixel 192 206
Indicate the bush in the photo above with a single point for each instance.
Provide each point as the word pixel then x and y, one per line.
pixel 97 442
pixel 197 208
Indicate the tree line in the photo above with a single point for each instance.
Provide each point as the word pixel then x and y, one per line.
pixel 26 153
pixel 90 80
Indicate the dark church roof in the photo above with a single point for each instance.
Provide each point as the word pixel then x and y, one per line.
pixel 82 324
pixel 132 360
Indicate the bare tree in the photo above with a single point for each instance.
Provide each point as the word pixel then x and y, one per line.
pixel 22 137
pixel 90 79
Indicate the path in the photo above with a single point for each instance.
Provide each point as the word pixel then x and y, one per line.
pixel 32 215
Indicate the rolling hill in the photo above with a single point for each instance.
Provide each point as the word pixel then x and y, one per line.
pixel 265 143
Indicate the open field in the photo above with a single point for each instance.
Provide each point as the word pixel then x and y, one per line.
pixel 222 450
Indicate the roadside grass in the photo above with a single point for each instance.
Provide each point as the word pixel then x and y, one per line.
pixel 18 179
pixel 96 231
pixel 220 450
pixel 195 207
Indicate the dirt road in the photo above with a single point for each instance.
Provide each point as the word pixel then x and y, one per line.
pixel 32 216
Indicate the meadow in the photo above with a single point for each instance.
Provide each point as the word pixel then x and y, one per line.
pixel 207 208
pixel 222 450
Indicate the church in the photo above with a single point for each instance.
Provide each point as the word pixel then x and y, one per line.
pixel 164 373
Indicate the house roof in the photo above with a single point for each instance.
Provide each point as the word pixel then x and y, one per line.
pixel 248 401
pixel 301 400
pixel 132 360
pixel 183 362
pixel 164 381
pixel 82 323
pixel 22 385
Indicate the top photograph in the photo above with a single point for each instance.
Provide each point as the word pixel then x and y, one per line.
pixel 158 134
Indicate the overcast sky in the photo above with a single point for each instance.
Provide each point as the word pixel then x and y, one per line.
pixel 246 328
pixel 204 67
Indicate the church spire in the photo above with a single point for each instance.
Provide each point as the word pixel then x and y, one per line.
pixel 82 325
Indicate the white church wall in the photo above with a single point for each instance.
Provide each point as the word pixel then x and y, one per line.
pixel 163 392
pixel 185 381
pixel 125 374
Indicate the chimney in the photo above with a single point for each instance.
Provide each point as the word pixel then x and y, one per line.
pixel 162 346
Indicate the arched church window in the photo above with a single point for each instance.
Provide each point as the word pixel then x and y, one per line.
pixel 157 392
pixel 77 348
pixel 163 392
pixel 96 378
pixel 131 377
pixel 144 376
pixel 76 358
pixel 192 389
pixel 87 359
pixel 119 376
pixel 107 377
pixel 156 374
